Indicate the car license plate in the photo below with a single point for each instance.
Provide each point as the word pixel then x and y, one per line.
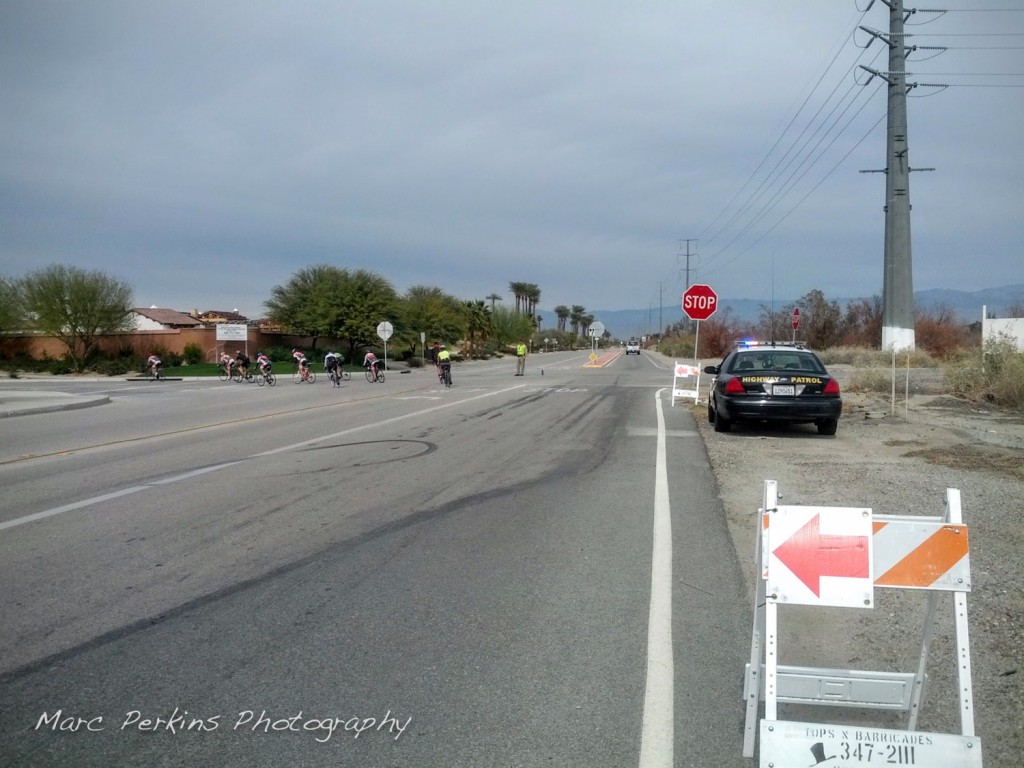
pixel 783 389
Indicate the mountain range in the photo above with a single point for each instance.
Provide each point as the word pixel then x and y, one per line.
pixel 967 305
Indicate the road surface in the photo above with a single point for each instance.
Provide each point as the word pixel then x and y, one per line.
pixel 518 571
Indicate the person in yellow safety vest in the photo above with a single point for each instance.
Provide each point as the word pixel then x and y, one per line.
pixel 444 362
pixel 521 358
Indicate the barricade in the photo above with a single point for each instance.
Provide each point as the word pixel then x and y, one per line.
pixel 836 556
pixel 683 372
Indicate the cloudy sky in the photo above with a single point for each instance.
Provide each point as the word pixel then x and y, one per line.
pixel 205 151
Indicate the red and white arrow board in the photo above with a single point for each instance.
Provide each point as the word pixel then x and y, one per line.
pixel 821 556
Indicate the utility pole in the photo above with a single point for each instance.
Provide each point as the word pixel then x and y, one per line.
pixel 687 240
pixel 897 283
pixel 661 323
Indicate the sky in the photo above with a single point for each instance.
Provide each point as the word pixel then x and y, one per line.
pixel 204 152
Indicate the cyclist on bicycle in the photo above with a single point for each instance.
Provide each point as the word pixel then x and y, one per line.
pixel 433 356
pixel 154 364
pixel 263 362
pixel 444 363
pixel 243 363
pixel 228 362
pixel 370 361
pixel 302 362
pixel 332 364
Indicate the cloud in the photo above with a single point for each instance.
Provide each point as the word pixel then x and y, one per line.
pixel 205 152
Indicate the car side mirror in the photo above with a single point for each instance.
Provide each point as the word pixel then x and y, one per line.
pixel 711 369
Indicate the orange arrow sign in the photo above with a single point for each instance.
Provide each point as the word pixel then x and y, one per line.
pixel 810 554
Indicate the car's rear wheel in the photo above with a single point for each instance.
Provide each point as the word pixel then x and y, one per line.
pixel 721 424
pixel 711 415
pixel 828 427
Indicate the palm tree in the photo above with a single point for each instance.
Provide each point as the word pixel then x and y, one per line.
pixel 532 296
pixel 576 318
pixel 519 291
pixel 493 298
pixel 562 312
pixel 478 323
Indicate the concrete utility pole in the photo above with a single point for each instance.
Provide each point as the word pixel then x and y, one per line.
pixel 897 284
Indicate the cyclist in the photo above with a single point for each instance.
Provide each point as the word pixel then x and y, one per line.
pixel 264 363
pixel 332 364
pixel 154 364
pixel 433 356
pixel 228 362
pixel 370 361
pixel 243 362
pixel 302 362
pixel 444 363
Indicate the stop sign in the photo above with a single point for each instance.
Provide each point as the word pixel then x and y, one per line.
pixel 699 302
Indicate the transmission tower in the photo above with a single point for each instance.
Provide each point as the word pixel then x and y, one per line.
pixel 897 283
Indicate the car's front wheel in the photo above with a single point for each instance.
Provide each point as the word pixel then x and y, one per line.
pixel 828 427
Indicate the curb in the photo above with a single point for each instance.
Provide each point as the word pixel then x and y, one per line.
pixel 71 403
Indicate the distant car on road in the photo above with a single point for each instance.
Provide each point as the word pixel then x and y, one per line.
pixel 773 382
pixel 632 347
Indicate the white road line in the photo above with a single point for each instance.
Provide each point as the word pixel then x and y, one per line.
pixel 214 468
pixel 658 736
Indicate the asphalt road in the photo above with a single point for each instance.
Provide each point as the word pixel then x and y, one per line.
pixel 518 571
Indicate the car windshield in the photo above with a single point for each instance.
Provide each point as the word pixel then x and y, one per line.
pixel 774 360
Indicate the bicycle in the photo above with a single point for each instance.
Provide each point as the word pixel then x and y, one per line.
pixel 339 375
pixel 446 376
pixel 244 376
pixel 266 377
pixel 304 374
pixel 155 373
pixel 373 374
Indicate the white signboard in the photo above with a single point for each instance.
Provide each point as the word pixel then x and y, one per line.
pixel 385 329
pixel 228 332
pixel 821 556
pixel 789 744
pixel 596 329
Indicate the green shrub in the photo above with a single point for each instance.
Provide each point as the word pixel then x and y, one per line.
pixel 193 353
pixel 115 367
pixel 681 347
pixel 61 367
pixel 279 354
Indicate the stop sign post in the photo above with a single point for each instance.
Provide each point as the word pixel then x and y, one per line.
pixel 699 302
pixel 384 330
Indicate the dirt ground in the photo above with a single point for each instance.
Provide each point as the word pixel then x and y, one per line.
pixel 900 460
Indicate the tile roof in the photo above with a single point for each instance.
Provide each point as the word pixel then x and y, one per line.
pixel 169 317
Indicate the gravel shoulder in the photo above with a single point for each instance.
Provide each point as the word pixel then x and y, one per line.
pixel 901 461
